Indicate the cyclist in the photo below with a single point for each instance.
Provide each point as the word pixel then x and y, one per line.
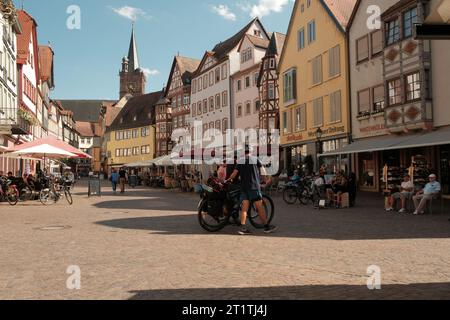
pixel 249 171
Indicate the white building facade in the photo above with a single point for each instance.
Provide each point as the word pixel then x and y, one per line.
pixel 211 94
pixel 9 28
pixel 246 100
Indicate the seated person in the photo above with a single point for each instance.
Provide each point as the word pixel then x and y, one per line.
pixel 295 177
pixel 11 177
pixel 431 190
pixel 406 193
pixel 339 186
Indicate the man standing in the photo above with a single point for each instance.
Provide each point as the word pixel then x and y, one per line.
pixel 248 170
pixel 431 190
pixel 122 179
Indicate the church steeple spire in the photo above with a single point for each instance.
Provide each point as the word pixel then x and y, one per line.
pixel 133 58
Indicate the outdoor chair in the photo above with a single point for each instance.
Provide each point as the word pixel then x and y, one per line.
pixel 431 203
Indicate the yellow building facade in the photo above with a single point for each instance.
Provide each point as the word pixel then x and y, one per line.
pixel 314 82
pixel 131 145
pixel 131 137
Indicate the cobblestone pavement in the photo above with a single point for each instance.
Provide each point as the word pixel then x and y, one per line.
pixel 147 244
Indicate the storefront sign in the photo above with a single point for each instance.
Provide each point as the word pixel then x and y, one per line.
pixel 327 132
pixel 374 128
pixel 294 137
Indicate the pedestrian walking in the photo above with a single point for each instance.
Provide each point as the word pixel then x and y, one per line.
pixel 114 180
pixel 122 179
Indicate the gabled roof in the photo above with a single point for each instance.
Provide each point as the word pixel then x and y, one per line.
pixel 187 67
pixel 29 26
pixel 111 114
pixel 340 10
pixel 256 41
pixel 276 44
pixel 141 108
pixel 86 129
pixel 222 49
pixel 85 110
pixel 46 55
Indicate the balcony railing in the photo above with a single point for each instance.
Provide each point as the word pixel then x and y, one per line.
pixel 11 122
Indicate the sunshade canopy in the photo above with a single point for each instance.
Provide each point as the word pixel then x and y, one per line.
pixel 52 141
pixel 434 138
pixel 45 150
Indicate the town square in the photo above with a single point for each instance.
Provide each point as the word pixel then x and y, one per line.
pixel 232 151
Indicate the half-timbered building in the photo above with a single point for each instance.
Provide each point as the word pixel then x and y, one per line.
pixel 173 111
pixel 268 85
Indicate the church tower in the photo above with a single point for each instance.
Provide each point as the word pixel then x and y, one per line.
pixel 132 78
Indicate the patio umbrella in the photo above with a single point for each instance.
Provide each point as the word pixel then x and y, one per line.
pixel 52 141
pixel 44 151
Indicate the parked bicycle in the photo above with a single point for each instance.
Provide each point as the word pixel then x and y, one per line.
pixel 220 207
pixel 56 189
pixel 8 192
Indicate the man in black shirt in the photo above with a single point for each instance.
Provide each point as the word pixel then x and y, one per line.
pixel 249 171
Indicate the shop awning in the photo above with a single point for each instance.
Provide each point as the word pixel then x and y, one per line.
pixel 435 138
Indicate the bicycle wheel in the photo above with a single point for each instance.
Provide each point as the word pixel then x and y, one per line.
pixel 209 222
pixel 290 195
pixel 68 196
pixel 12 197
pixel 269 209
pixel 305 196
pixel 26 194
pixel 47 197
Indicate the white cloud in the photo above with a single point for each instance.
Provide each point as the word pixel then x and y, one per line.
pixel 224 12
pixel 131 12
pixel 150 72
pixel 264 7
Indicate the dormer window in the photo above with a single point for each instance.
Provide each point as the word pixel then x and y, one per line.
pixel 246 55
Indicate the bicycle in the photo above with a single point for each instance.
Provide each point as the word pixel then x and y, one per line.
pixel 8 192
pixel 299 190
pixel 221 207
pixel 55 190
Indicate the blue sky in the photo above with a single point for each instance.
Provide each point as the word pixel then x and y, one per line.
pixel 87 61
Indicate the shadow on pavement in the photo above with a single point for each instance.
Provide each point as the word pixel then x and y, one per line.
pixel 317 227
pixel 426 291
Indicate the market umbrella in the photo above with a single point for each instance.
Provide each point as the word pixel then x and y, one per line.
pixel 59 144
pixel 45 151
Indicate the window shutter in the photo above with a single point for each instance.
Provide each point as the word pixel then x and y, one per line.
pixel 294 84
